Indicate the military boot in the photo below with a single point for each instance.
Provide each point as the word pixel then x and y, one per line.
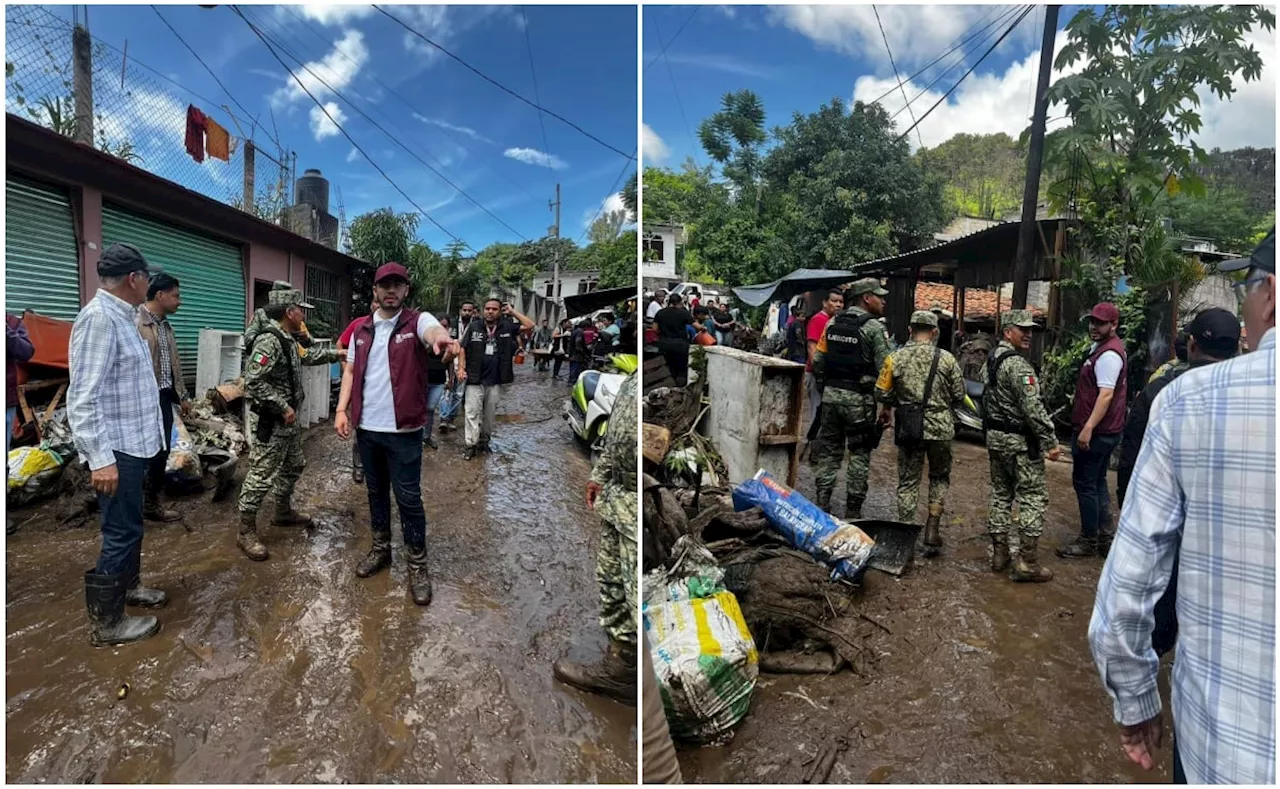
pixel 286 515
pixel 379 556
pixel 1082 548
pixel 932 533
pixel 852 509
pixel 109 625
pixel 419 579
pixel 999 553
pixel 824 500
pixel 1026 567
pixel 152 511
pixel 613 676
pixel 247 539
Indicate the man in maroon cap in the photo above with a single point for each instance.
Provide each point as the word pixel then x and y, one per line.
pixel 384 386
pixel 1097 420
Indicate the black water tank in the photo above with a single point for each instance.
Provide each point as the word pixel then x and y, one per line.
pixel 313 190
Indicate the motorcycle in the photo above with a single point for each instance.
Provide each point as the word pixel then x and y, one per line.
pixel 970 415
pixel 592 398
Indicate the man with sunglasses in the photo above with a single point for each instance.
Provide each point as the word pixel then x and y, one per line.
pixel 1203 492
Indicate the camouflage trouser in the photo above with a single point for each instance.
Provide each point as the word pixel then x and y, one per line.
pixel 844 426
pixel 1017 476
pixel 273 466
pixel 616 564
pixel 911 467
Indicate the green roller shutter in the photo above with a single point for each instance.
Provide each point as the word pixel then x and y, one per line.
pixel 209 270
pixel 41 257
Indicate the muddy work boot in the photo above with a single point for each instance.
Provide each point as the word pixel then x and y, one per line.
pixel 142 596
pixel 999 553
pixel 824 501
pixel 932 532
pixel 152 511
pixel 286 515
pixel 1027 569
pixel 1082 548
pixel 852 509
pixel 379 556
pixel 247 540
pixel 419 579
pixel 109 625
pixel 613 676
pixel 468 453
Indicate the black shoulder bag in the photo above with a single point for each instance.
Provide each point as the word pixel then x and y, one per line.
pixel 908 419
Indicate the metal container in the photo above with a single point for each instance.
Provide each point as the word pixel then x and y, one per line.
pixel 313 190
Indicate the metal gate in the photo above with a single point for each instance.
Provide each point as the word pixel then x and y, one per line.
pixel 210 273
pixel 41 255
pixel 323 291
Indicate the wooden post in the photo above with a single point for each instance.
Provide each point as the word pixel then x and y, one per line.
pixel 82 84
pixel 248 176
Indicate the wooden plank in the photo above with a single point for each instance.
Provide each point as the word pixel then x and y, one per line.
pixel 777 441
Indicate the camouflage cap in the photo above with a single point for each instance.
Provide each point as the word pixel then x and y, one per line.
pixel 1020 318
pixel 282 284
pixel 289 298
pixel 866 285
pixel 924 318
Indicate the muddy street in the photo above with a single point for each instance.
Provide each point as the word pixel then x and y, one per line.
pixel 294 670
pixel 977 681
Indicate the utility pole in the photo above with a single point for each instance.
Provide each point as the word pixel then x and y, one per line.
pixel 554 232
pixel 1035 155
pixel 82 83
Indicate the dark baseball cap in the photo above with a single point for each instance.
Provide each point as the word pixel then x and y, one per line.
pixel 389 270
pixel 120 259
pixel 1106 312
pixel 1264 257
pixel 1216 332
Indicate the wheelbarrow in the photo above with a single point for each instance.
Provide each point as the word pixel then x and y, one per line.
pixel 895 544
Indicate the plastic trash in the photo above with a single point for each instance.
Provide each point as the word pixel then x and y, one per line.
pixel 33 474
pixel 838 544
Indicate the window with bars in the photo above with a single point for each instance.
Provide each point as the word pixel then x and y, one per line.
pixel 322 291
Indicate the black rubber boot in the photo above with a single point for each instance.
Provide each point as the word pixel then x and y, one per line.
pixel 109 625
pixel 999 553
pixel 613 676
pixel 142 596
pixel 247 539
pixel 419 578
pixel 1027 567
pixel 286 515
pixel 152 511
pixel 379 555
pixel 1082 548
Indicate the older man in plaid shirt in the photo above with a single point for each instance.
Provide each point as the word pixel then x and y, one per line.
pixel 1207 472
pixel 113 407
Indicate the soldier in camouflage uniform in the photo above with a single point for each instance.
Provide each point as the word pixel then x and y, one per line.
pixel 611 493
pixel 260 321
pixel 1020 436
pixel 902 380
pixel 273 385
pixel 846 363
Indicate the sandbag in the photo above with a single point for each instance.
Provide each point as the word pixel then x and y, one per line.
pixel 184 462
pixel 33 474
pixel 841 546
pixel 703 654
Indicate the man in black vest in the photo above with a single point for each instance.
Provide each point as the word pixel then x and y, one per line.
pixel 485 363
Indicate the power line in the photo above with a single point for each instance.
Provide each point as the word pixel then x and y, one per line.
pixel 676 91
pixel 499 85
pixel 392 91
pixel 959 62
pixel 673 39
pixel 612 191
pixel 954 47
pixel 196 55
pixel 528 45
pixel 1003 36
pixel 894 66
pixel 338 126
pixel 399 142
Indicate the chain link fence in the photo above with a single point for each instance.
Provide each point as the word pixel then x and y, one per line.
pixel 139 114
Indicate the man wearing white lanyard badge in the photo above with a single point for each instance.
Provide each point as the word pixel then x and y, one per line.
pixel 485 363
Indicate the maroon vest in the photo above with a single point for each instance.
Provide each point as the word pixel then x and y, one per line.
pixel 407 360
pixel 1087 391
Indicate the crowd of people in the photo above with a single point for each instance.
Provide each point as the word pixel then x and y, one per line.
pixel 673 326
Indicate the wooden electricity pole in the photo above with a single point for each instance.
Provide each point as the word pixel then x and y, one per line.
pixel 555 258
pixel 1035 156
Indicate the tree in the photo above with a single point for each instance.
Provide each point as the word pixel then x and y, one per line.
pixel 982 174
pixel 1251 171
pixel 1222 216
pixel 631 197
pixel 676 198
pixel 606 227
pixel 733 138
pixel 375 238
pixel 614 259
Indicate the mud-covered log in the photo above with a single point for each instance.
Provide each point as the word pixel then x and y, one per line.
pixel 655 441
pixel 224 397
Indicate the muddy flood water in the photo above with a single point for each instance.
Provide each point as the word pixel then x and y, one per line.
pixel 979 681
pixel 294 670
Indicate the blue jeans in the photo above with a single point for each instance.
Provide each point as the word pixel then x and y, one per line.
pixel 1089 478
pixel 1179 775
pixel 394 460
pixel 435 393
pixel 121 518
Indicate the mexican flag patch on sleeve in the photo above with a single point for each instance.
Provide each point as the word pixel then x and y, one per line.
pixel 261 359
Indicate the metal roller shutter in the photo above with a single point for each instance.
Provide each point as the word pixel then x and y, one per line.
pixel 210 272
pixel 41 256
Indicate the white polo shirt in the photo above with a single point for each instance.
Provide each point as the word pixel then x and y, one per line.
pixel 378 411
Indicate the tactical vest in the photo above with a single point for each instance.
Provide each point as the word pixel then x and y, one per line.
pixel 286 342
pixel 850 359
pixel 991 395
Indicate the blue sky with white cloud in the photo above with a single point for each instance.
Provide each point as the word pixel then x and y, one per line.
pixel 485 141
pixel 798 57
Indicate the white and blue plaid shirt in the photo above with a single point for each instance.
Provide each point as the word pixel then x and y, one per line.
pixel 113 404
pixel 1207 471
